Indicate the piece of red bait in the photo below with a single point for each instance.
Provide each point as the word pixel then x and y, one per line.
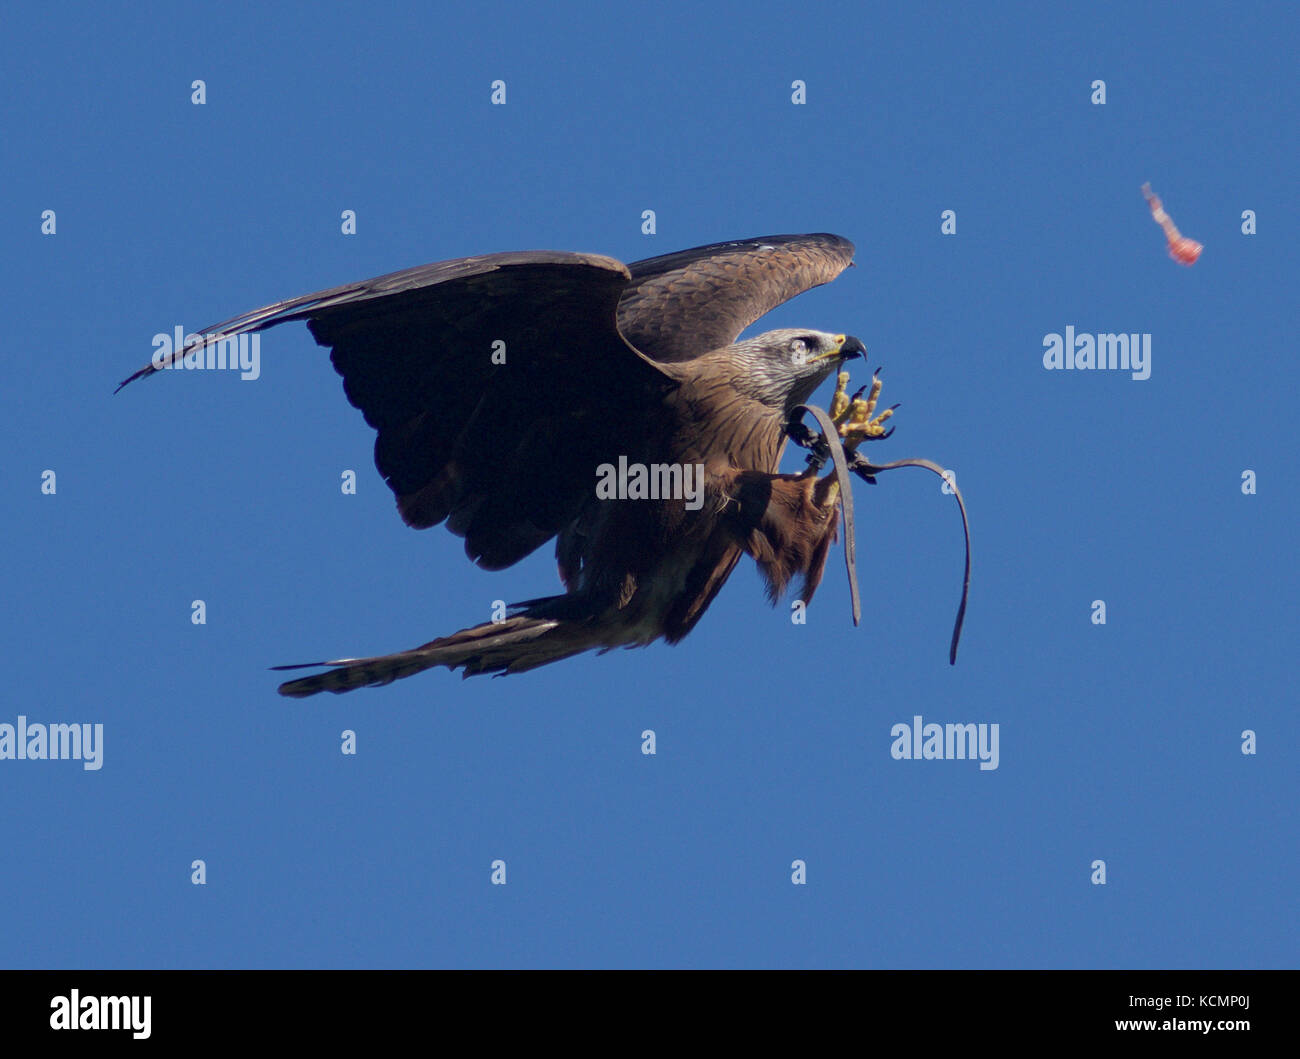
pixel 1183 250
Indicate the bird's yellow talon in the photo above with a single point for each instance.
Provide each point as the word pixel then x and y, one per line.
pixel 859 422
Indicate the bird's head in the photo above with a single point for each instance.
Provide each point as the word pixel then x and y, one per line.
pixel 783 368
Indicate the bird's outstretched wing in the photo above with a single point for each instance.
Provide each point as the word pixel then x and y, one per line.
pixel 497 385
pixel 684 304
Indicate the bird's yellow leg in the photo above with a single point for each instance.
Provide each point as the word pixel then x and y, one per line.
pixel 840 398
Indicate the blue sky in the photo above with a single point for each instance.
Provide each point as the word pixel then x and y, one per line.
pixel 1119 742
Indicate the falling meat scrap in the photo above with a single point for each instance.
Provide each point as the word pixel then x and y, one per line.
pixel 1183 250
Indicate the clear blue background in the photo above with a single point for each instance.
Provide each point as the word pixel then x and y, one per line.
pixel 1119 743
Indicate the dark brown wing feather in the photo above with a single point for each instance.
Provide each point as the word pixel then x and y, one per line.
pixel 684 304
pixel 506 453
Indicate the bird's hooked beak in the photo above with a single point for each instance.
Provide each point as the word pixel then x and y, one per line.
pixel 850 347
pixel 846 348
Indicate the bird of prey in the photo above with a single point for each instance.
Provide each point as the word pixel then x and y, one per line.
pixel 501 385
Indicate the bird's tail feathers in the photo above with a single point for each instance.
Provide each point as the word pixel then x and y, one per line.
pixel 512 645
